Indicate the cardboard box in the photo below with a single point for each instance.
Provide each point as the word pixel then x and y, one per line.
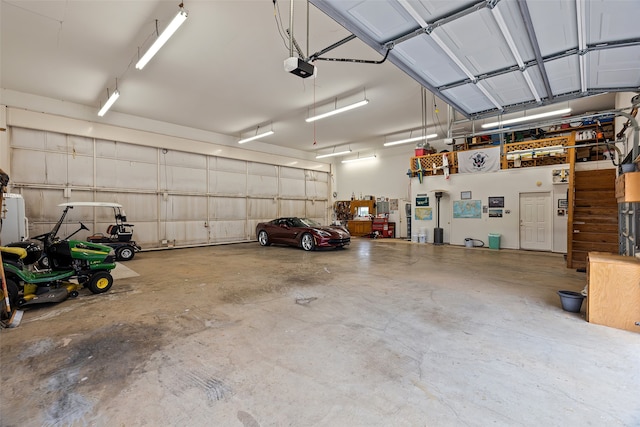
pixel 628 187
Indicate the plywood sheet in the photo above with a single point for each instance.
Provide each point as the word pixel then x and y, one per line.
pixel 614 291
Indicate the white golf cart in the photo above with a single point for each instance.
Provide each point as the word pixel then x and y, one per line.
pixel 119 235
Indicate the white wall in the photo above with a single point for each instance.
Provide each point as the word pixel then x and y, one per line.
pixel 506 183
pixel 386 176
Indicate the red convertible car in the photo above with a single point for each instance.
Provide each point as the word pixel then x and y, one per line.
pixel 302 232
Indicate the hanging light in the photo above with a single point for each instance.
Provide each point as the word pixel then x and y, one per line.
pixel 338 111
pixel 110 100
pixel 415 138
pixel 527 118
pixel 359 159
pixel 337 153
pixel 256 136
pixel 173 26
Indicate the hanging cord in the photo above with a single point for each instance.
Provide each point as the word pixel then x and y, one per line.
pixel 314 112
pixel 277 16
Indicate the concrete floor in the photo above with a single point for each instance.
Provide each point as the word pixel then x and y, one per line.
pixel 384 333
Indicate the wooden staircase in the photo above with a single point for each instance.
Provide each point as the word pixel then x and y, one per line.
pixel 593 216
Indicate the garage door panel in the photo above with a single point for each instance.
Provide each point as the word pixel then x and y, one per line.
pixel 262 169
pixel 317 189
pixel 292 208
pixel 317 210
pixel 227 231
pixel 80 171
pixel 180 158
pixel 184 208
pixel 292 187
pixel 138 207
pixel 38 167
pixel 178 178
pixel 265 186
pixel 292 173
pixel 112 173
pixel 262 209
pixel 227 208
pixel 231 183
pixel 28 138
pixel 227 165
pixel 80 145
pixel 186 232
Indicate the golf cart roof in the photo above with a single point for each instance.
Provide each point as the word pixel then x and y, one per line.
pixel 93 204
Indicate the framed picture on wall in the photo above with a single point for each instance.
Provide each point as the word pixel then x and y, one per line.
pixel 496 202
pixel 465 195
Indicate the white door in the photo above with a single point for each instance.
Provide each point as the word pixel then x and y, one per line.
pixel 535 221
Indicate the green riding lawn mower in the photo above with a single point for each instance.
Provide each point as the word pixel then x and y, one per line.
pixel 72 265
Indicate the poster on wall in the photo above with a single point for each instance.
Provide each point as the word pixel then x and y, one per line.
pixel 467 209
pixel 495 213
pixel 393 204
pixel 422 200
pixel 424 214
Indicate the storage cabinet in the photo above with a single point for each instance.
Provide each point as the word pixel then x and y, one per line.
pixel 613 291
pixel 359 227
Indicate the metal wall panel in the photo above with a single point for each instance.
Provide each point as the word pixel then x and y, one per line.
pixel 228 183
pixel 292 208
pixel 263 186
pixel 262 209
pixel 79 170
pixel 178 178
pixel 172 198
pixel 226 208
pixel 129 174
pixel 229 231
pixel 317 209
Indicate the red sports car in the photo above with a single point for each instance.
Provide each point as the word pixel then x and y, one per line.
pixel 302 232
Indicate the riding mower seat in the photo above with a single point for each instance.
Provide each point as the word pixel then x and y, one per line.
pixel 13 254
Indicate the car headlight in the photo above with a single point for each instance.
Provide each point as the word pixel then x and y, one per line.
pixel 323 233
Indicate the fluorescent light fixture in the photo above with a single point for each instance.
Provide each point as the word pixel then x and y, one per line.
pixel 339 153
pixel 359 159
pixel 338 110
pixel 253 138
pixel 109 102
pixel 526 118
pixel 162 39
pixel 415 138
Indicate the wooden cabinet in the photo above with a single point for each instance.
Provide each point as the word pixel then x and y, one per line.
pixel 359 228
pixel 613 291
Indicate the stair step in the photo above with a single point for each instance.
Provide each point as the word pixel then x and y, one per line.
pixel 595 237
pixel 595 227
pixel 594 247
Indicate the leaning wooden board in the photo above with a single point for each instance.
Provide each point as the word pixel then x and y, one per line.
pixel 613 292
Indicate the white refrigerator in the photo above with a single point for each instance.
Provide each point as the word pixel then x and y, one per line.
pixel 15 227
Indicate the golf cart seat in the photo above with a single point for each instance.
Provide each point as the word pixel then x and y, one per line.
pixel 120 232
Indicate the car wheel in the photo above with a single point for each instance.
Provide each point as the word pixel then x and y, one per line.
pixel 307 242
pixel 12 291
pixel 125 253
pixel 263 238
pixel 100 282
